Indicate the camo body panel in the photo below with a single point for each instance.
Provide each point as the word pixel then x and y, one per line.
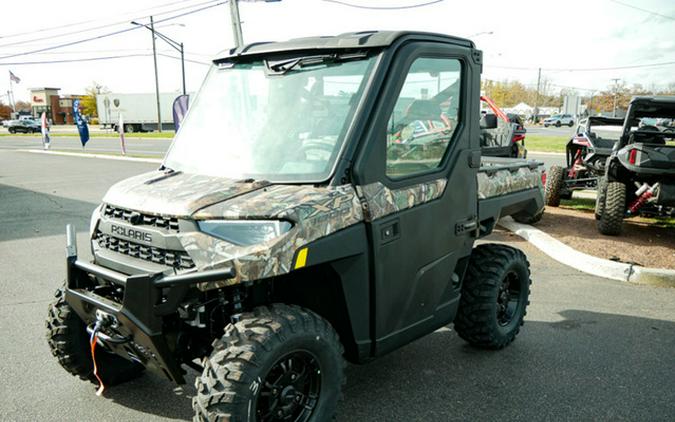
pixel 383 201
pixel 174 195
pixel 316 212
pixel 502 182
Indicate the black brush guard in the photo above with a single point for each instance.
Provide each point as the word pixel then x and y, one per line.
pixel 132 329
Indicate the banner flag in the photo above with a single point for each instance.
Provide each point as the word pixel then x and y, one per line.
pixel 120 129
pixel 45 131
pixel 80 122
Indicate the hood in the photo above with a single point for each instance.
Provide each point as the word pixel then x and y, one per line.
pixel 175 194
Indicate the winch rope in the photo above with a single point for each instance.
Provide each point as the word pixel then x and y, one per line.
pixel 92 341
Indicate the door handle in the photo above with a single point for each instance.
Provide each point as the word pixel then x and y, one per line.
pixel 390 231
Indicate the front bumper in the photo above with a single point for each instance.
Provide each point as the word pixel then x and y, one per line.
pixel 133 329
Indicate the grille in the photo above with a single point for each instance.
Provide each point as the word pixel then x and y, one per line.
pixel 167 223
pixel 171 258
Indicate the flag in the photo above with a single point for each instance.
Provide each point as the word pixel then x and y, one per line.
pixel 180 107
pixel 45 131
pixel 120 129
pixel 80 122
pixel 14 78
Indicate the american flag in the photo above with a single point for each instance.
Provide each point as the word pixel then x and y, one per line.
pixel 14 78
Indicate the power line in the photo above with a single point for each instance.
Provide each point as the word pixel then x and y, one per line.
pixel 590 69
pixel 80 31
pixel 642 10
pixel 67 25
pixel 91 59
pixel 358 6
pixel 110 34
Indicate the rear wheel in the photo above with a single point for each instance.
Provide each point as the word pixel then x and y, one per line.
pixel 494 297
pixel 277 363
pixel 557 124
pixel 69 343
pixel 129 128
pixel 11 130
pixel 600 197
pixel 611 217
pixel 554 186
pixel 571 123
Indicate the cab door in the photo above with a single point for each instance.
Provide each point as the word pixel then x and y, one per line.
pixel 417 176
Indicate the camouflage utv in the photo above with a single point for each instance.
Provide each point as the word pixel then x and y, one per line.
pixel 319 204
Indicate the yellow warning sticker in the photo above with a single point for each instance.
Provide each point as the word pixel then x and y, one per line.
pixel 302 258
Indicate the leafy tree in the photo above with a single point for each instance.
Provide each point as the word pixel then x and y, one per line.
pixel 22 106
pixel 5 111
pixel 88 102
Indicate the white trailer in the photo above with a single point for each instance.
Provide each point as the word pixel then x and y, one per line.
pixel 138 110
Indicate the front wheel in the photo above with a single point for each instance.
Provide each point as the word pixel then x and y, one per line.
pixel 611 218
pixel 557 124
pixel 12 130
pixel 495 295
pixel 277 363
pixel 554 186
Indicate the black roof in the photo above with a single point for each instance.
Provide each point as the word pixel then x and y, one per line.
pixel 609 121
pixel 349 40
pixel 656 99
pixel 652 106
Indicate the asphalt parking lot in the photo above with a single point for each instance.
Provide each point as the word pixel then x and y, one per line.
pixel 591 349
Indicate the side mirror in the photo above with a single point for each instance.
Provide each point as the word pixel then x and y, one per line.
pixel 488 121
pixel 180 108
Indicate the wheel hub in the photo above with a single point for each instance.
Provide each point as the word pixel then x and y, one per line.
pixel 508 299
pixel 290 390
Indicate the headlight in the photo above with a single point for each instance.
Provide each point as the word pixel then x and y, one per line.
pixel 245 232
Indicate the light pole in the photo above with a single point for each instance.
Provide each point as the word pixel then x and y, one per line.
pixel 178 46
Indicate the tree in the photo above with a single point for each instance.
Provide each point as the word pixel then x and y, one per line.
pixel 5 111
pixel 88 102
pixel 22 106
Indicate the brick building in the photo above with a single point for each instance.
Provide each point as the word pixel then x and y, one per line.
pixel 58 108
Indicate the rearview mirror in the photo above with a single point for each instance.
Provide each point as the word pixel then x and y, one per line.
pixel 488 121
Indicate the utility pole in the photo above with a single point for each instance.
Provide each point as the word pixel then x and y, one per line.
pixel 154 57
pixel 178 46
pixel 616 90
pixel 236 23
pixel 536 98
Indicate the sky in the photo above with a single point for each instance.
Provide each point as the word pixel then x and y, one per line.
pixel 517 38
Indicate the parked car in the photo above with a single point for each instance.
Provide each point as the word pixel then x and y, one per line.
pixel 558 120
pixel 24 126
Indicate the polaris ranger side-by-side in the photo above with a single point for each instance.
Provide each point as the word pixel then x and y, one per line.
pixel 320 202
pixel 639 177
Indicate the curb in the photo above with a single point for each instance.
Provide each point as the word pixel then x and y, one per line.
pixel 587 263
pixel 86 155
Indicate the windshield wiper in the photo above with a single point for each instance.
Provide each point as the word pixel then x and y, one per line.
pixel 283 66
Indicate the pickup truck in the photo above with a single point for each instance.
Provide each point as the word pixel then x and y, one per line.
pixel 334 219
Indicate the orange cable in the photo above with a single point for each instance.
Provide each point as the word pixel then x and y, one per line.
pixel 93 358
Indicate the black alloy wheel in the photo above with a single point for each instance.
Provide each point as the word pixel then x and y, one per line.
pixel 290 391
pixel 508 299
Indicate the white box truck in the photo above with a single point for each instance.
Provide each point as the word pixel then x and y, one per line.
pixel 138 110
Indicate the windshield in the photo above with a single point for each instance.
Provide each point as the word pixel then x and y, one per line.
pixel 250 122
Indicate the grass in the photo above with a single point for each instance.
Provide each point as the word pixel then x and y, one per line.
pixel 538 143
pixel 113 135
pixel 588 205
pixel 580 204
